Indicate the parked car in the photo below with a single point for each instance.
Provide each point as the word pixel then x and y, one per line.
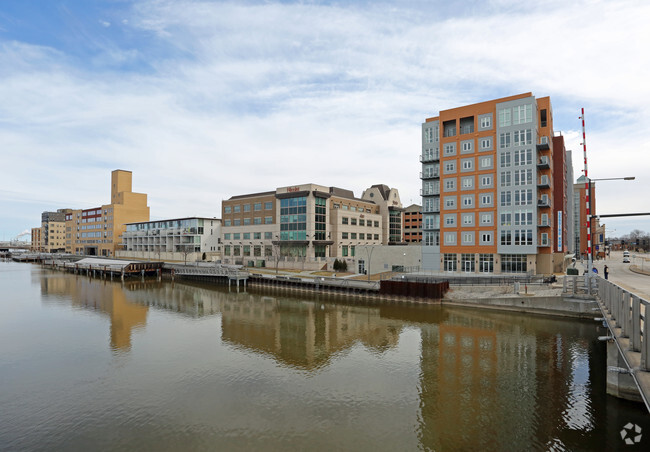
pixel 626 260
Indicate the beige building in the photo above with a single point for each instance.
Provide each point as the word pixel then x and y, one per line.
pixel 37 243
pixel 98 230
pixel 307 226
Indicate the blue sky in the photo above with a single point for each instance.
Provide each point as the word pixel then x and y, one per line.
pixel 203 100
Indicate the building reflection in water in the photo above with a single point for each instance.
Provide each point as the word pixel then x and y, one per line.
pixel 105 297
pixel 484 376
pixel 488 377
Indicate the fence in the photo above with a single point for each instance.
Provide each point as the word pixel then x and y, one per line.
pixel 629 313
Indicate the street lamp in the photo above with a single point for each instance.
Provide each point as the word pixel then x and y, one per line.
pixel 591 214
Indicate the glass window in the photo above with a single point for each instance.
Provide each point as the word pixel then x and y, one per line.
pixel 268 205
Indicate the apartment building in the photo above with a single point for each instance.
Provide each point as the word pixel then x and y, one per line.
pixel 488 187
pixel 306 225
pixel 37 241
pixel 98 231
pixel 52 232
pixel 580 222
pixel 179 239
pixel 412 224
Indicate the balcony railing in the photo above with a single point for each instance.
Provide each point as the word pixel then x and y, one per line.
pixel 430 192
pixel 543 163
pixel 543 202
pixel 429 174
pixel 544 182
pixel 430 157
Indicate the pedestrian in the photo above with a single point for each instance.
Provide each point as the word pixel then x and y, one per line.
pixel 606 271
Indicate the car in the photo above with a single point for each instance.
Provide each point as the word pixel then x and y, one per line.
pixel 626 260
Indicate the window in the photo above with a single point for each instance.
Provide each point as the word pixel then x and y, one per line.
pixel 450 149
pixel 468 164
pixel 450 184
pixel 506 179
pixel 450 220
pixel 257 220
pixel 376 224
pixel 524 197
pixel 522 137
pixel 247 236
pixel 236 236
pixel 486 181
pixel 506 219
pixel 247 221
pixel 353 235
pixel 486 144
pixel 428 135
pixel 506 199
pixel 344 235
pixel 362 236
pixel 468 201
pixel 505 117
pixel 268 220
pixel 523 157
pixel 362 222
pixel 486 200
pixel 486 237
pixel 513 263
pixel 522 114
pixel 505 160
pixel 486 218
pixel 226 222
pixel 236 209
pixel 506 238
pixel 486 122
pixel 353 221
pixel 268 205
pixel 467 182
pixel 467 146
pixel 227 209
pixel 268 235
pixel 450 202
pixel 486 162
pixel 450 238
pixel 450 167
pixel 504 140
pixel 468 219
pixel 247 207
pixel 376 236
pixel 523 177
pixel 468 238
pixel 449 260
pixel 523 218
pixel 257 206
pixel 345 220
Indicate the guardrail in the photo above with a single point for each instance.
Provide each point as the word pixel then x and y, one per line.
pixel 628 318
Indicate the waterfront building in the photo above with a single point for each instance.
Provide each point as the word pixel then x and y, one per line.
pixel 180 239
pixel 488 188
pixel 580 224
pixel 51 238
pixel 98 230
pixel 412 224
pixel 36 243
pixel 307 226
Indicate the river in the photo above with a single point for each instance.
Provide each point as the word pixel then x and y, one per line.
pixel 89 364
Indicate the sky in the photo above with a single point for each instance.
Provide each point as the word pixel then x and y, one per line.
pixel 204 100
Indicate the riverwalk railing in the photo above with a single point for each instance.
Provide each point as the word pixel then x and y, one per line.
pixel 626 316
pixel 229 272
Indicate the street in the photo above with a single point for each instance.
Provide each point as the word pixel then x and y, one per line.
pixel 621 274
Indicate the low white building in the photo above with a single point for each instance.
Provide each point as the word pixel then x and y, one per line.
pixel 180 240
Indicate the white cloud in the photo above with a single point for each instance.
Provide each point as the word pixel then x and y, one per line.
pixel 250 96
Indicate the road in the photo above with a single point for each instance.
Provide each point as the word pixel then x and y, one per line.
pixel 621 274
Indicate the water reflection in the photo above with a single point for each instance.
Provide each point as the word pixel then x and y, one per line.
pixel 105 297
pixel 417 376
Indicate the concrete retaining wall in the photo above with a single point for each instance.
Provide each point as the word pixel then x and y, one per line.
pixel 562 306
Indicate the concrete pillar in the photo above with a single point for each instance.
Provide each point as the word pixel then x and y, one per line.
pixel 620 384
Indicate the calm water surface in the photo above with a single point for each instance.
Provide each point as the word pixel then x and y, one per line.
pixel 87 364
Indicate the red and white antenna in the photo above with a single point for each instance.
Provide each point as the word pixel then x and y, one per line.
pixel 587 197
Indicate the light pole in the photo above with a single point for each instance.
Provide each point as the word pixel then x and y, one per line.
pixel 590 214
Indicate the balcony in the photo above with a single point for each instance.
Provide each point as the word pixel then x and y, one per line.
pixel 544 182
pixel 543 144
pixel 543 163
pixel 543 202
pixel 430 192
pixel 430 157
pixel 429 174
pixel 544 223
pixel 431 209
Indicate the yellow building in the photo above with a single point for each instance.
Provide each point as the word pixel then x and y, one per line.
pixel 98 231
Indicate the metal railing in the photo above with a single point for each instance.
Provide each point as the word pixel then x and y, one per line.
pixel 628 315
